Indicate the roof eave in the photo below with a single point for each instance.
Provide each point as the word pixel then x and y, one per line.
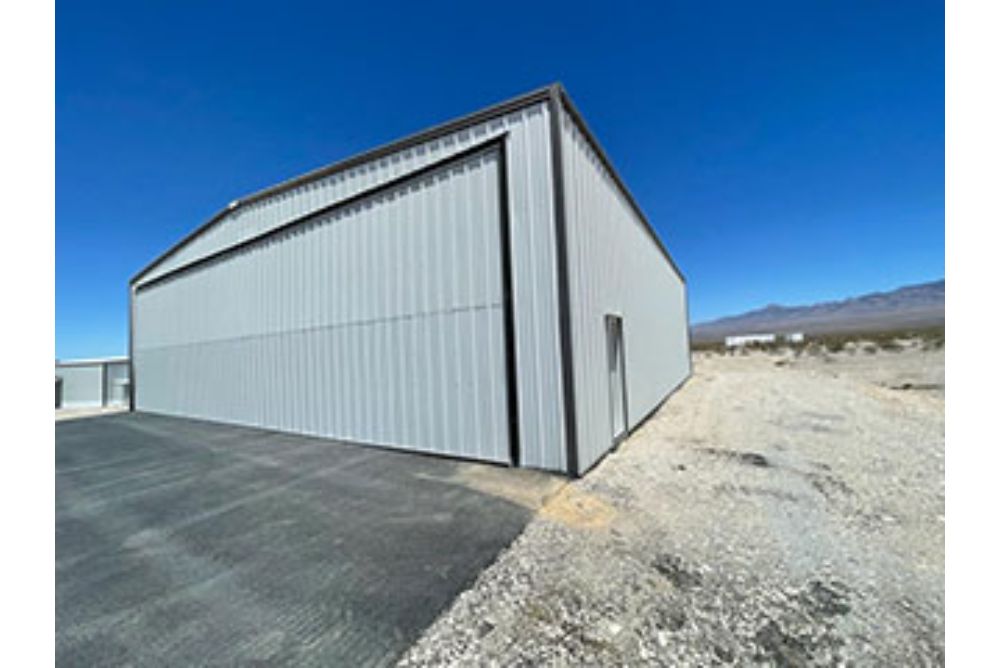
pixel 455 125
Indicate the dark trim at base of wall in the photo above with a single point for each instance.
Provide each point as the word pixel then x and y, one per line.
pixel 642 421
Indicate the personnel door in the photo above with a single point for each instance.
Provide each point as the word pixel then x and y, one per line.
pixel 616 376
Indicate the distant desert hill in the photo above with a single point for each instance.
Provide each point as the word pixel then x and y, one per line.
pixel 912 306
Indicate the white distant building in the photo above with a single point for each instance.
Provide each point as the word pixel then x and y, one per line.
pixel 794 337
pixel 746 339
pixel 93 382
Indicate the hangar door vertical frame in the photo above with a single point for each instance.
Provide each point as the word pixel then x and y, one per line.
pixel 510 330
pixel 305 420
pixel 610 261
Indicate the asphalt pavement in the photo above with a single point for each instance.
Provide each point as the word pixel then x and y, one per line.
pixel 181 542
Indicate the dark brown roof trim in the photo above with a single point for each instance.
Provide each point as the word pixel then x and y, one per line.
pixel 430 134
pixel 574 113
pixel 435 132
pixel 329 209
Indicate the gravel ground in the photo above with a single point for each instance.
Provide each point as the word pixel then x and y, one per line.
pixel 778 510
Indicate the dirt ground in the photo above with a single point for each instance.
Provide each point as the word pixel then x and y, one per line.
pixel 778 510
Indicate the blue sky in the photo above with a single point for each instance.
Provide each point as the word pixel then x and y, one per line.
pixel 787 152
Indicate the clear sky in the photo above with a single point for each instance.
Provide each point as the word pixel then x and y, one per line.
pixel 787 152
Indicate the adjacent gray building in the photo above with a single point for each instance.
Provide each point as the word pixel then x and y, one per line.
pixel 486 289
pixel 92 382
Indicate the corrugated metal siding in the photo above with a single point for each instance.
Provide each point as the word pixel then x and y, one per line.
pixel 533 264
pixel 380 323
pixel 616 268
pixel 536 297
pixel 82 384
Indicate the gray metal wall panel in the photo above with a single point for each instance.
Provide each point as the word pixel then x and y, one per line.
pixel 380 323
pixel 532 249
pixel 82 385
pixel 616 268
pixel 536 296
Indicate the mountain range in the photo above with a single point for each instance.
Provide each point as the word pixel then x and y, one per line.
pixel 911 306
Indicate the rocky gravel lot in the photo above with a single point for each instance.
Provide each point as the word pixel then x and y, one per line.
pixel 778 510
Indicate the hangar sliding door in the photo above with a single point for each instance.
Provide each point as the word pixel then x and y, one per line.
pixel 382 319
